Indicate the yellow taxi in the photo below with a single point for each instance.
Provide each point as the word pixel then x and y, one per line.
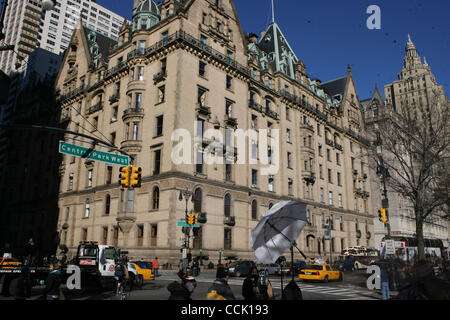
pixel 9 263
pixel 144 271
pixel 320 272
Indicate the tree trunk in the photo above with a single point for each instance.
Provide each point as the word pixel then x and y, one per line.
pixel 419 236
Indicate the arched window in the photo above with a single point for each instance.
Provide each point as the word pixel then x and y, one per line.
pixel 155 199
pixel 198 200
pixel 107 204
pixel 227 205
pixel 254 210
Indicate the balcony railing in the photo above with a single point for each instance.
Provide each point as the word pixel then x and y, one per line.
pixel 255 106
pixel 204 110
pixel 294 99
pixel 160 76
pixel 119 67
pixel 133 112
pixel 71 94
pixel 114 97
pixel 231 121
pixel 271 114
pixel 96 107
pixel 329 142
pixel 230 221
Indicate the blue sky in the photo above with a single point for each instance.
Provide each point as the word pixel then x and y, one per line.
pixel 329 34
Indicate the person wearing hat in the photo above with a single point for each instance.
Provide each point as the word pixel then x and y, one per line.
pixel 220 290
pixel 183 290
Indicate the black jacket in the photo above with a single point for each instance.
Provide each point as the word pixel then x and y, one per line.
pixel 17 288
pixel 247 289
pixel 178 291
pixel 52 284
pixel 220 290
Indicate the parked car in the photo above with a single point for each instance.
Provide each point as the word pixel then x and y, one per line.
pixel 320 272
pixel 240 268
pixel 272 269
pixel 287 268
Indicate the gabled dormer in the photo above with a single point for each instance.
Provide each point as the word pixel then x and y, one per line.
pixel 124 33
pixel 279 52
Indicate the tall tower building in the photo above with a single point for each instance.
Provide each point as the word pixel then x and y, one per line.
pixel 415 87
pixel 27 26
pixel 416 83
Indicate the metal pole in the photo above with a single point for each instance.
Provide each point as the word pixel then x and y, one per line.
pixel 292 262
pixel 2 18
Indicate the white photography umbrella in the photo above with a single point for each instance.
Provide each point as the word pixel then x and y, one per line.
pixel 278 230
pixel 276 233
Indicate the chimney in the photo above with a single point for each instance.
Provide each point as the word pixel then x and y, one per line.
pixel 253 38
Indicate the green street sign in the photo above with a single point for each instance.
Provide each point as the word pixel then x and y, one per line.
pixel 91 154
pixel 184 224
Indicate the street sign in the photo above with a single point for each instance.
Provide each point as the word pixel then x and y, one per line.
pixel 390 247
pixel 91 154
pixel 184 224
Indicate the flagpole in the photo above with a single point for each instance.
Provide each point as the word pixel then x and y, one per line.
pixel 273 13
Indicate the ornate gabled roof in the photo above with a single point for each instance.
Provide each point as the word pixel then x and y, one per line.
pixel 98 44
pixel 335 87
pixel 277 52
pixel 376 97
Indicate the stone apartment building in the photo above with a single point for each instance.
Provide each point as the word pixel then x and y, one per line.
pixel 415 84
pixel 183 62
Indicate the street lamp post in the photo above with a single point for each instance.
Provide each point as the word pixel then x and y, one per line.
pixel 383 171
pixel 186 194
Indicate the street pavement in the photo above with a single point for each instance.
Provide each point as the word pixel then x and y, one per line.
pixel 351 288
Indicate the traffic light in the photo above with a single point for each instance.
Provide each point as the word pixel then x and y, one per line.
pixel 382 215
pixel 191 218
pixel 136 177
pixel 195 220
pixel 125 177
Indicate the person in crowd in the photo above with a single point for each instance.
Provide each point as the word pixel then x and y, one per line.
pixel 250 288
pixel 385 282
pixel 220 290
pixel 53 282
pixel 20 287
pixel 182 290
pixel 155 264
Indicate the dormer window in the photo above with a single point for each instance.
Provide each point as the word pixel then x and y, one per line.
pixel 144 24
